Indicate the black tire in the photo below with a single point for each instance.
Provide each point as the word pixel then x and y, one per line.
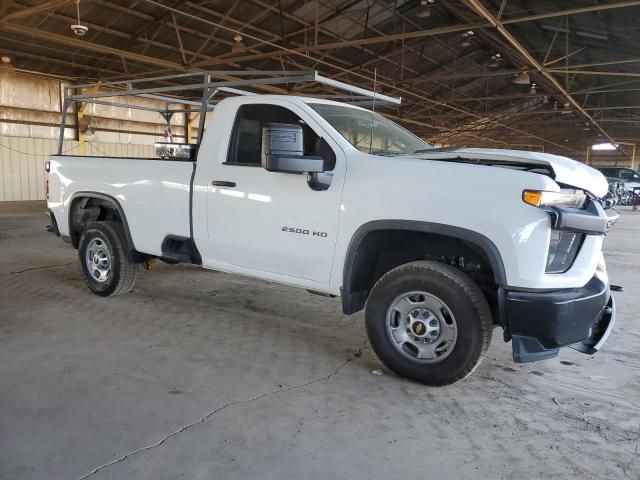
pixel 466 303
pixel 121 276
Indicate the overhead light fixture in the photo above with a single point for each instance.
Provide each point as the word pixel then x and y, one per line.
pixel 425 8
pixel 6 63
pixel 522 78
pixel 238 45
pixel 604 146
pixel 495 62
pixel 79 30
pixel 533 90
pixel 545 99
pixel 466 38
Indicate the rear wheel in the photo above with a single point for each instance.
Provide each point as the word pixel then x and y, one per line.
pixel 104 261
pixel 428 322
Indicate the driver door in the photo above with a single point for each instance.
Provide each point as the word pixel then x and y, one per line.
pixel 270 224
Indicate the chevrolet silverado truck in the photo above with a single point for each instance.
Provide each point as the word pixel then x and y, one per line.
pixel 439 246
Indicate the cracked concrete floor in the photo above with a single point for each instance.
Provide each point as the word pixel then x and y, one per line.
pixel 201 375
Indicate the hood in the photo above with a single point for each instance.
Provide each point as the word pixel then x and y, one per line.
pixel 565 170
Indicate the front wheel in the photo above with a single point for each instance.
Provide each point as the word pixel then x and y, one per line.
pixel 104 261
pixel 428 322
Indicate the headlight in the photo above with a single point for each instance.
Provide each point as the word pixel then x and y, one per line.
pixel 563 198
pixel 563 248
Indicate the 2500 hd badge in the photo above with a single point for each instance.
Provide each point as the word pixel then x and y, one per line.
pixel 304 231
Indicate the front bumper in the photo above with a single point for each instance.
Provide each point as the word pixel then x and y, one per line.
pixel 540 323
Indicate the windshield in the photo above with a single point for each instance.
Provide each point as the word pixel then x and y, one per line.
pixel 370 132
pixel 629 175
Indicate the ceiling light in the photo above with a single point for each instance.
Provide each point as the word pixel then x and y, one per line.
pixel 238 45
pixel 522 78
pixel 466 38
pixel 545 99
pixel 533 90
pixel 6 63
pixel 604 146
pixel 425 8
pixel 79 30
pixel 495 62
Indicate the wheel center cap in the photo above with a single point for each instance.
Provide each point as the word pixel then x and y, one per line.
pixel 419 328
pixel 424 325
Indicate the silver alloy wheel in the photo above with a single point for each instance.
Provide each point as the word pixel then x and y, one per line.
pixel 421 327
pixel 98 260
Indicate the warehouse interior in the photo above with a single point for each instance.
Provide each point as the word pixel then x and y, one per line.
pixel 200 374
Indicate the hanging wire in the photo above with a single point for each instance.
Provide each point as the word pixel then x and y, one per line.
pixel 92 145
pixel 35 154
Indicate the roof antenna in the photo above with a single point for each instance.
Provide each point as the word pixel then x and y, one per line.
pixel 373 109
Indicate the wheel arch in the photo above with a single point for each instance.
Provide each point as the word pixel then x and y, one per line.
pixel 105 200
pixel 353 298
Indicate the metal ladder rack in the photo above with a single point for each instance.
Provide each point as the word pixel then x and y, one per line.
pixel 198 89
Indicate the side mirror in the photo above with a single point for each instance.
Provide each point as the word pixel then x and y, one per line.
pixel 283 150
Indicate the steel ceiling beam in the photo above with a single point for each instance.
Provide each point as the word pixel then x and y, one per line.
pixel 27 12
pixel 5 7
pixel 481 10
pixel 455 28
pixel 457 76
pixel 346 43
pixel 603 64
pixel 593 72
pixel 85 45
pixel 571 11
pixel 304 52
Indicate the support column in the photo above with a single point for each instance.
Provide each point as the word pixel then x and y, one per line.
pixel 79 116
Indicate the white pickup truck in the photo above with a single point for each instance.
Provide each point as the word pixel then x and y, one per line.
pixel 439 246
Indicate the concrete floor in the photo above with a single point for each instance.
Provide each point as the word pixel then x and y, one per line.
pixel 203 375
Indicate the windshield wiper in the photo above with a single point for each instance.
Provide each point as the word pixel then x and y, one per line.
pixel 439 149
pixel 387 152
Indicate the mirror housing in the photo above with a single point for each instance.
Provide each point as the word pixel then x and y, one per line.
pixel 283 150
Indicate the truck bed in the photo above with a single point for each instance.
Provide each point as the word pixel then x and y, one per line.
pixel 154 194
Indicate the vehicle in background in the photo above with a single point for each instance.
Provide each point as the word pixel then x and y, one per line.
pixel 341 201
pixel 629 177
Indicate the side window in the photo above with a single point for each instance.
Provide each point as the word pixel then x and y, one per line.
pixel 245 147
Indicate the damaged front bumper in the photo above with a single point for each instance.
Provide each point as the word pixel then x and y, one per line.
pixel 540 323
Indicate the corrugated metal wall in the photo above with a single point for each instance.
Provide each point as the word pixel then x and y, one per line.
pixel 22 162
pixel 29 128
